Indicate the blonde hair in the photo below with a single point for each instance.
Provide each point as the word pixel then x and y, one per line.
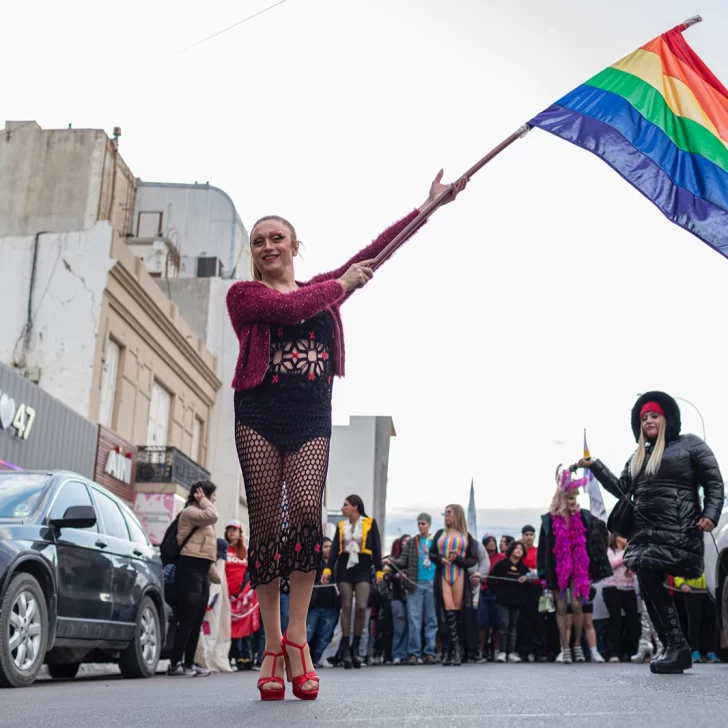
pixel 253 270
pixel 558 505
pixel 458 513
pixel 658 450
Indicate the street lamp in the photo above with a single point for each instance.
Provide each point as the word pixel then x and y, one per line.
pixel 687 401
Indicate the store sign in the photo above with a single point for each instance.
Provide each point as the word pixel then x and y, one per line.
pixel 115 464
pixel 17 419
pixel 118 465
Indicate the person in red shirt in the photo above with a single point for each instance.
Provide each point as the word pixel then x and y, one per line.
pixel 531 623
pixel 528 536
pixel 245 612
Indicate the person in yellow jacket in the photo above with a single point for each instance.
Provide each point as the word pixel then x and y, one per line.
pixel 702 622
pixel 356 557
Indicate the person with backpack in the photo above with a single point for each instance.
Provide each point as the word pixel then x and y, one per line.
pixel 194 568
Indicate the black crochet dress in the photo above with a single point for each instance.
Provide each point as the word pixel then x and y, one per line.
pixel 282 432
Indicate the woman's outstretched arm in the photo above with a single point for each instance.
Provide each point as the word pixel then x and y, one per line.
pixel 381 242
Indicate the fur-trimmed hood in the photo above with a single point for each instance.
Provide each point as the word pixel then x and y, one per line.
pixel 672 414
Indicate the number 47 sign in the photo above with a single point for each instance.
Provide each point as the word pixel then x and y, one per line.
pixel 20 418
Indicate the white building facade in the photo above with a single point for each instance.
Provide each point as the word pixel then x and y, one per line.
pixel 359 465
pixel 202 223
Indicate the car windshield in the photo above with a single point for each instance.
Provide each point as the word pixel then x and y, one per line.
pixel 21 493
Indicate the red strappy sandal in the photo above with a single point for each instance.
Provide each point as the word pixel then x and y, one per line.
pixel 299 680
pixel 272 693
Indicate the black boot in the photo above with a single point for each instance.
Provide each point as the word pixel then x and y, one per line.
pixel 661 630
pixel 446 652
pixel 676 657
pixel 355 659
pixel 457 650
pixel 660 651
pixel 345 652
pixel 453 638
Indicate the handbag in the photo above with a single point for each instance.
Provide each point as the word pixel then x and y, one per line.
pixel 621 519
pixel 546 603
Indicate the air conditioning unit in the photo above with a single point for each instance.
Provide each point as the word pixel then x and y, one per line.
pixel 209 268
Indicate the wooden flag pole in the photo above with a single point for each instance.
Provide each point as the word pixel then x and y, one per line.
pixel 438 201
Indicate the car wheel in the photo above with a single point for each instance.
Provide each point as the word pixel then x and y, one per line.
pixel 140 659
pixel 64 672
pixel 724 607
pixel 23 631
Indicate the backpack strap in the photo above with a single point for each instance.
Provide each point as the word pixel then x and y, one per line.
pixel 187 538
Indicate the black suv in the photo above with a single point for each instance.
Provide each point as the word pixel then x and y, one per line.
pixel 79 580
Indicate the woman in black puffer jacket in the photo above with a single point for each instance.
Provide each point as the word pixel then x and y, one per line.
pixel 665 537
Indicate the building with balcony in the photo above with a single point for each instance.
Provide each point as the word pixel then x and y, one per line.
pixel 200 225
pixel 200 221
pixel 201 301
pixel 85 321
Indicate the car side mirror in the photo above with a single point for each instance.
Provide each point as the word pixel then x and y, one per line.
pixel 76 517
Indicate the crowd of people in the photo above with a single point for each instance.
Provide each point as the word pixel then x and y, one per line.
pixel 442 598
pixel 592 589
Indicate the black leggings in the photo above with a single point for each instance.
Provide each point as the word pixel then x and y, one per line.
pixel 701 623
pixel 193 592
pixel 617 600
pixel 347 592
pixel 659 603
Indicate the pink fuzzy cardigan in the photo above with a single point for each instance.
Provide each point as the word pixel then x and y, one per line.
pixel 252 307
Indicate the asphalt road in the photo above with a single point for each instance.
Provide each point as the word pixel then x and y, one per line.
pixel 470 695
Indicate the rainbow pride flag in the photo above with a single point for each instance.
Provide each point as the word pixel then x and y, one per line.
pixel 659 117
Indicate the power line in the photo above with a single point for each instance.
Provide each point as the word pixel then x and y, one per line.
pixel 224 30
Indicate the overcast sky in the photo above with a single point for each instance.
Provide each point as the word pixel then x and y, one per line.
pixel 539 303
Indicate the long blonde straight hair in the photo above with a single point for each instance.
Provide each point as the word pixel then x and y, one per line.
pixel 461 523
pixel 658 450
pixel 558 503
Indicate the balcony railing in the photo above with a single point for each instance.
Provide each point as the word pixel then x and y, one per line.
pixel 167 465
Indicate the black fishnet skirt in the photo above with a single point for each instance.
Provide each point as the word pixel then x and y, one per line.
pixel 284 488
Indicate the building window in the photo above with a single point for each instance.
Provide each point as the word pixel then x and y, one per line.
pixel 196 440
pixel 159 416
pixel 109 378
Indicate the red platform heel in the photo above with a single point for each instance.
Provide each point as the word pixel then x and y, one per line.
pixel 272 693
pixel 299 680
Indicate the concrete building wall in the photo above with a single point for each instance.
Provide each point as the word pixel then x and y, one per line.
pixel 158 256
pixel 383 433
pixel 199 219
pixel 71 272
pixel 61 180
pixel 90 287
pixel 359 464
